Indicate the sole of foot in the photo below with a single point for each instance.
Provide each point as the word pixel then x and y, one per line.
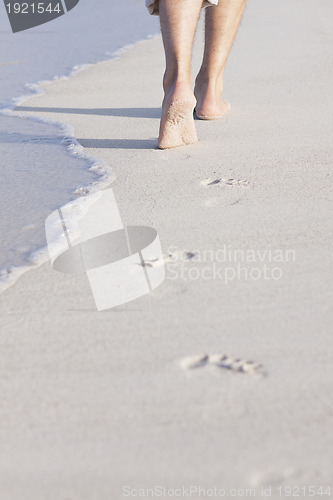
pixel 177 124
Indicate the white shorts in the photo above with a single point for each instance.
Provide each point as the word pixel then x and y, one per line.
pixel 152 5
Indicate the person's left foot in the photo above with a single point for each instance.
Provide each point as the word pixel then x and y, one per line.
pixel 177 126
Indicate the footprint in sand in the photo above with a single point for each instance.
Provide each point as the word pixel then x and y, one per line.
pixel 231 196
pixel 157 262
pixel 225 182
pixel 169 257
pixel 194 361
pixel 274 478
pixel 222 361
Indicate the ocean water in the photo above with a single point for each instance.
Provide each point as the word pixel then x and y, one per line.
pixel 38 173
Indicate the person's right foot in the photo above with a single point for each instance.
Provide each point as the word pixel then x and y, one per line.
pixel 177 126
pixel 210 105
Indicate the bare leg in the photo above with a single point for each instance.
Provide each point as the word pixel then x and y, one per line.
pixel 179 20
pixel 222 23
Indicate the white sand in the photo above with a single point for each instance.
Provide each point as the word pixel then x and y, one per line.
pixel 92 401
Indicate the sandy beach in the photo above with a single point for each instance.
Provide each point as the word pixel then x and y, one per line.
pixel 97 405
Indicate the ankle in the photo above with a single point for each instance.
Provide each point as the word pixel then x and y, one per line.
pixel 172 80
pixel 209 83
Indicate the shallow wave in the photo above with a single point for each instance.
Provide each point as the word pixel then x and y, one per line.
pixel 102 173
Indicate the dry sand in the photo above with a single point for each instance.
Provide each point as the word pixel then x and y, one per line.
pixel 93 401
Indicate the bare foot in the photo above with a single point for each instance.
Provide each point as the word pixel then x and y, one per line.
pixel 177 126
pixel 210 105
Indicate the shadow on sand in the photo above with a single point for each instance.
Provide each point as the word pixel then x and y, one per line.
pixel 119 143
pixel 123 112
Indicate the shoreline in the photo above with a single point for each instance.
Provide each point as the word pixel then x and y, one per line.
pixel 10 274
